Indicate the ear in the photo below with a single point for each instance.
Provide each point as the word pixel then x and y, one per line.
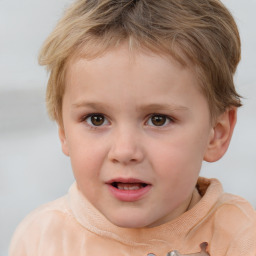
pixel 221 135
pixel 63 141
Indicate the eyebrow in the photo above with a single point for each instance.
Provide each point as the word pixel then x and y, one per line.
pixel 157 107
pixel 147 107
pixel 89 104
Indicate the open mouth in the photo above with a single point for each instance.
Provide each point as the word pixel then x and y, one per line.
pixel 129 190
pixel 128 186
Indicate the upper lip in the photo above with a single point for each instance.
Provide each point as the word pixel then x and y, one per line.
pixel 127 180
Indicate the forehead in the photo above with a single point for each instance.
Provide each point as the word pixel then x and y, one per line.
pixel 135 53
pixel 124 60
pixel 137 77
pixel 130 54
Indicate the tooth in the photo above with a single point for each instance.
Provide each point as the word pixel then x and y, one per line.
pixel 128 187
pixel 120 186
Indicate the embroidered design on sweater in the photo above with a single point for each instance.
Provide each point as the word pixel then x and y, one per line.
pixel 203 252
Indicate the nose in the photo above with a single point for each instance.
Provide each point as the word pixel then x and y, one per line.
pixel 126 147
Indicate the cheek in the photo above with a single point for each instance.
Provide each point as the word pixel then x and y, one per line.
pixel 86 165
pixel 177 166
pixel 179 156
pixel 86 157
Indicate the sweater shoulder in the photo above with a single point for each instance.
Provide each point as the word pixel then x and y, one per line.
pixel 44 223
pixel 230 204
pixel 51 211
pixel 234 225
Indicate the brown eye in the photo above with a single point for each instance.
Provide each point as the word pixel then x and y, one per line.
pixel 96 120
pixel 158 120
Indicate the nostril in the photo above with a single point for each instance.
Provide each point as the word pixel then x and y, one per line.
pixel 115 161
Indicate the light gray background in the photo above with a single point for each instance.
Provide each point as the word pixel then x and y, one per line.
pixel 32 168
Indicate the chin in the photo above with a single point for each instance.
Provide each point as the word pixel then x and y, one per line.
pixel 129 222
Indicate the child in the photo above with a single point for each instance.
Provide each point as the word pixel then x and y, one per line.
pixel 142 92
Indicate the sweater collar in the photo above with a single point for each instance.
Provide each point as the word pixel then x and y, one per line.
pixel 91 219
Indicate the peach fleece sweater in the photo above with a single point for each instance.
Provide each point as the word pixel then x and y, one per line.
pixel 71 226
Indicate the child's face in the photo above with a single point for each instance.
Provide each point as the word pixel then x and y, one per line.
pixel 136 128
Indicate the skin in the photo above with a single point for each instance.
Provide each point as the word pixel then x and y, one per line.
pixel 132 92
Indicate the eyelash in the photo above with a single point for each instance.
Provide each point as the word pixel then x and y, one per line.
pixel 91 125
pixel 167 119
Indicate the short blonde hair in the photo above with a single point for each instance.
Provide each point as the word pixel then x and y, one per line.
pixel 201 33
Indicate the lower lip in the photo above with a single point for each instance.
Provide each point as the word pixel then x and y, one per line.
pixel 129 195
